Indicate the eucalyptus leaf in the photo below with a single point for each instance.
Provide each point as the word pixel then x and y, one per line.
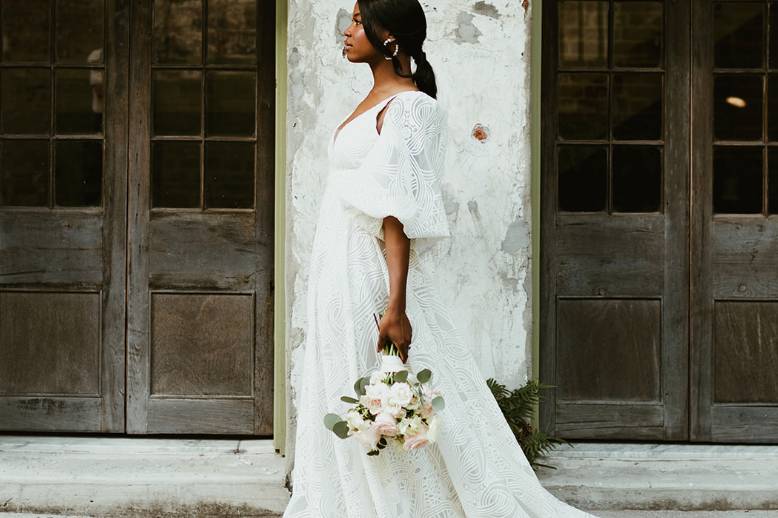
pixel 438 404
pixel 424 375
pixel 401 376
pixel 349 399
pixel 341 429
pixel 359 386
pixel 331 419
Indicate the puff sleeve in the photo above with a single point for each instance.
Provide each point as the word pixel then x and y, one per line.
pixel 400 175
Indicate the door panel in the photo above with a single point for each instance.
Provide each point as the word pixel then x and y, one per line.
pixel 735 231
pixel 63 178
pixel 201 218
pixel 615 220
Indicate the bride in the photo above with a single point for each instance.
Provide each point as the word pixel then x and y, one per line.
pixel 381 215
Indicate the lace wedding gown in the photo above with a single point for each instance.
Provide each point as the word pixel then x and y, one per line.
pixel 476 469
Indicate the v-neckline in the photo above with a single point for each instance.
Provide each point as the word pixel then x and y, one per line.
pixel 340 127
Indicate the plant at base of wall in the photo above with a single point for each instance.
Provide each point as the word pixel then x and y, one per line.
pixel 518 406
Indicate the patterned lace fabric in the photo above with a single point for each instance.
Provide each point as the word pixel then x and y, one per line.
pixel 476 469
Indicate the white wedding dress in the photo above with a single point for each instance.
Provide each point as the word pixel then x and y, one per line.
pixel 476 469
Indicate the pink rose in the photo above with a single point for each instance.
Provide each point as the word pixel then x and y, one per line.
pixel 418 440
pixel 386 424
pixel 425 410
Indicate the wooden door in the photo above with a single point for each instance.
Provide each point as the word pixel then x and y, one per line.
pixel 614 301
pixel 200 356
pixel 735 222
pixel 63 152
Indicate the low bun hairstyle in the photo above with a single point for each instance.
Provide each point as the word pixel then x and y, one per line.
pixel 406 21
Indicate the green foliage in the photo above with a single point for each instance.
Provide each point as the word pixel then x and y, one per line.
pixel 518 406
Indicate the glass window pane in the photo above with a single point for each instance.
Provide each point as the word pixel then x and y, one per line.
pixel 25 101
pixel 230 103
pixel 583 177
pixel 177 102
pixel 772 180
pixel 229 175
pixel 583 33
pixel 232 31
pixel 178 28
pixel 583 105
pixel 175 174
pixel 79 31
pixel 737 179
pixel 738 34
pixel 78 173
pixel 79 101
pixel 24 173
pixel 773 28
pixel 737 109
pixel 772 107
pixel 637 34
pixel 25 29
pixel 637 178
pixel 637 106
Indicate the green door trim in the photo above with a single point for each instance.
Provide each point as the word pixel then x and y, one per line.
pixel 279 280
pixel 536 48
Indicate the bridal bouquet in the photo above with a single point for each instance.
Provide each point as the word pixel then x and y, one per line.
pixel 393 405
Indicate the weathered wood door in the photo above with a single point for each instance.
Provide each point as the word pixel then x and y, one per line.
pixel 200 239
pixel 734 377
pixel 63 157
pixel 660 320
pixel 136 216
pixel 614 310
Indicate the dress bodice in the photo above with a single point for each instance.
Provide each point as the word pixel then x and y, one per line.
pixel 349 144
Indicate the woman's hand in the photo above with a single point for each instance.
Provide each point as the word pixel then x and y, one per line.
pixel 395 327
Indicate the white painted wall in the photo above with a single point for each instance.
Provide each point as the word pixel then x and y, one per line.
pixel 480 53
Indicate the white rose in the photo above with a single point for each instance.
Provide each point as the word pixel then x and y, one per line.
pixel 369 437
pixel 401 393
pixel 410 425
pixel 376 377
pixel 355 420
pixel 376 397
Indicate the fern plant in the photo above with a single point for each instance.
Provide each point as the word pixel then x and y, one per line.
pixel 517 406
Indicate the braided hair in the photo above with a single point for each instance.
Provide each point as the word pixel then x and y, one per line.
pixel 406 21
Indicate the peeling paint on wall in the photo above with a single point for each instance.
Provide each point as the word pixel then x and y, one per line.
pixel 478 51
pixel 466 31
pixel 486 9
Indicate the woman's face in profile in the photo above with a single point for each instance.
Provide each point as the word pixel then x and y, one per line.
pixel 357 48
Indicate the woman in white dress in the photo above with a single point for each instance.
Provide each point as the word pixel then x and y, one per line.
pixel 380 216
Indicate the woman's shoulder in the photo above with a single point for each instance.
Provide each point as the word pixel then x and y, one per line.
pixel 415 106
pixel 414 97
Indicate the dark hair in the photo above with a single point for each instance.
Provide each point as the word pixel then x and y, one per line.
pixel 405 20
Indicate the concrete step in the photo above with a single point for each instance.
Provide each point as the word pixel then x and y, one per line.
pixel 127 476
pixel 103 476
pixel 651 476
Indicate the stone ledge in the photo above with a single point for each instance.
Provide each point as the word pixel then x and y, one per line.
pixel 121 476
pixel 621 476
